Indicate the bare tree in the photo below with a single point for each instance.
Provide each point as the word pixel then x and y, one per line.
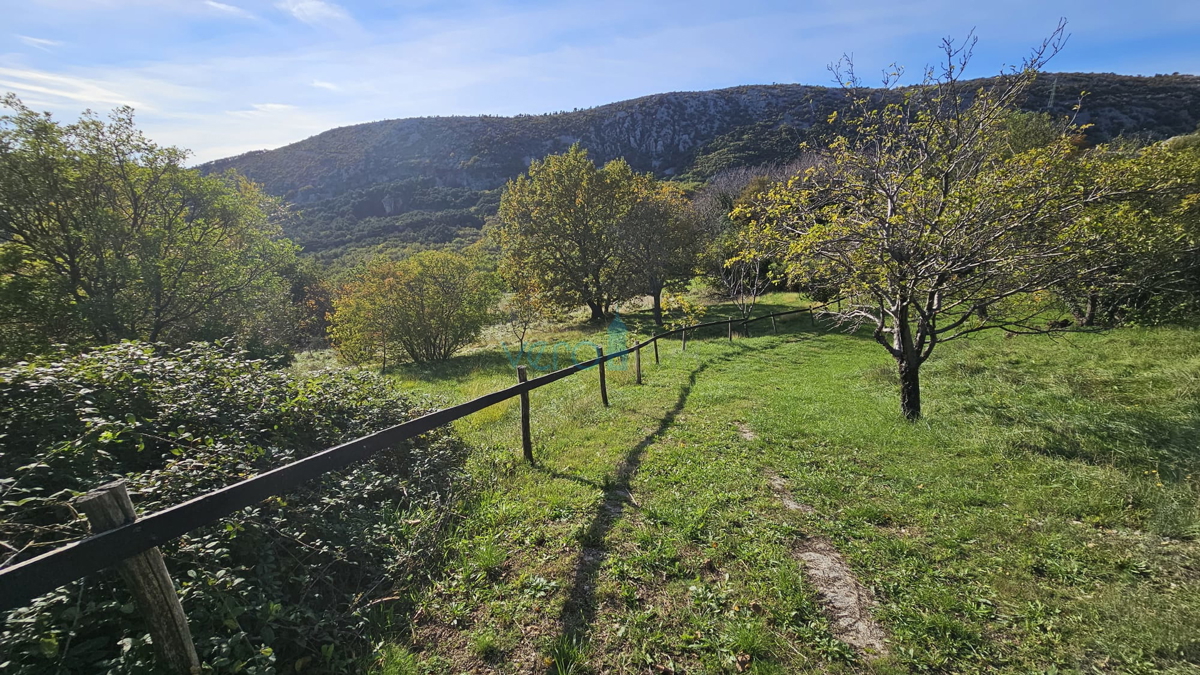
pixel 738 270
pixel 923 218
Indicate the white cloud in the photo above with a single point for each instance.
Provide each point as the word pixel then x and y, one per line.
pixel 321 84
pixel 262 109
pixel 231 10
pixel 39 43
pixel 61 88
pixel 315 12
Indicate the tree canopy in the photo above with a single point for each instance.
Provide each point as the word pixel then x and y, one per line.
pixel 428 306
pixel 593 236
pixel 107 236
pixel 560 221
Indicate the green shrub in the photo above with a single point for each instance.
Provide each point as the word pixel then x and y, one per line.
pixel 281 586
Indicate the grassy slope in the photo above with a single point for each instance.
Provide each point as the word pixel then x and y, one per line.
pixel 1042 515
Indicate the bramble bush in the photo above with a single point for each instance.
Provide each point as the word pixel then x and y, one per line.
pixel 288 585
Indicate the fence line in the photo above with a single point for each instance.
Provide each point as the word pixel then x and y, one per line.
pixel 26 580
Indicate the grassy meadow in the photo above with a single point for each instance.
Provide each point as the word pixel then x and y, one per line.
pixel 1041 517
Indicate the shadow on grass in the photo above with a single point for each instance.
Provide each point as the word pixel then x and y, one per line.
pixel 579 611
pixel 463 367
pixel 495 361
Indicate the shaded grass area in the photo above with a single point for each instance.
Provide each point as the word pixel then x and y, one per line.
pixel 1041 517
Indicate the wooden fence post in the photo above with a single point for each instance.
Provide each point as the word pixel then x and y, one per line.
pixel 603 384
pixel 637 363
pixel 774 328
pixel 656 351
pixel 108 507
pixel 526 435
pixel 730 324
pixel 684 334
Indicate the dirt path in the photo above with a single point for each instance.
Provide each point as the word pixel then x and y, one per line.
pixel 845 601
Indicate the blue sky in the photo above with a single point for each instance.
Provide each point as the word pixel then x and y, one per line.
pixel 222 77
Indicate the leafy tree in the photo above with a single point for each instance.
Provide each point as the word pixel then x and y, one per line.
pixel 124 242
pixel 430 306
pixel 312 296
pixel 1149 271
pixel 660 242
pixel 34 311
pixel 923 218
pixel 561 221
pixel 680 311
pixel 361 325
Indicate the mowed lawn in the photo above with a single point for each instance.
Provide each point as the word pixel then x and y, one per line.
pixel 1042 517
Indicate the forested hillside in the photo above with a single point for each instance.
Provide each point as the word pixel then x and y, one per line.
pixel 432 181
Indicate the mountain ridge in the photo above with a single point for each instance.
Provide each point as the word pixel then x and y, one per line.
pixel 388 163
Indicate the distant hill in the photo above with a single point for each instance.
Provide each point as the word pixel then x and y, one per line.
pixel 432 180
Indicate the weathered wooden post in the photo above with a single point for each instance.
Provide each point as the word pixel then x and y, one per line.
pixel 108 507
pixel 730 324
pixel 603 384
pixel 656 351
pixel 526 435
pixel 684 334
pixel 774 328
pixel 637 363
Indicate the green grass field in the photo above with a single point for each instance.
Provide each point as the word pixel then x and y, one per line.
pixel 1042 517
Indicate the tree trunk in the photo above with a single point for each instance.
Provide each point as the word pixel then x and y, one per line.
pixel 658 319
pixel 597 310
pixel 1089 314
pixel 910 389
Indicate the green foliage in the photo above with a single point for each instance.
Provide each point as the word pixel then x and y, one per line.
pixel 659 239
pixel 120 241
pixel 1148 270
pixel 728 262
pixel 760 144
pixel 560 223
pixel 430 306
pixel 592 236
pixel 413 211
pixel 288 581
pixel 679 310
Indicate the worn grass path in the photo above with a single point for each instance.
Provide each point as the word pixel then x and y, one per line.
pixel 1042 517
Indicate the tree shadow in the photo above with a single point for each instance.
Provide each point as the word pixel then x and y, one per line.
pixel 580 609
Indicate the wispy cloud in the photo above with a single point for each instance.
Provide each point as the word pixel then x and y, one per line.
pixel 315 12
pixel 262 109
pixel 266 82
pixel 61 88
pixel 39 43
pixel 231 10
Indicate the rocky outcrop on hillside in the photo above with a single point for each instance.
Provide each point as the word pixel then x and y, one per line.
pixel 346 176
pixel 664 133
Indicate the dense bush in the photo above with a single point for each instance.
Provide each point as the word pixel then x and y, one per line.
pixel 429 306
pixel 284 586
